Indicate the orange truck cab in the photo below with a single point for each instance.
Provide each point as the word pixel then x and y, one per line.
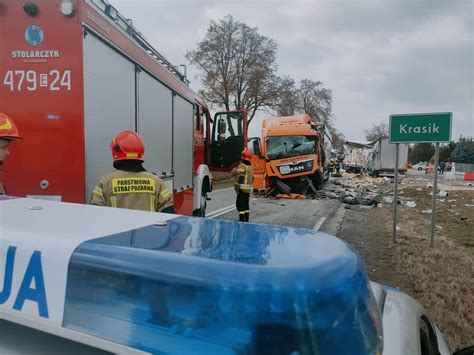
pixel 289 156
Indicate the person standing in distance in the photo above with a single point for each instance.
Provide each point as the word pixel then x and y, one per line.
pixel 8 133
pixel 243 178
pixel 131 186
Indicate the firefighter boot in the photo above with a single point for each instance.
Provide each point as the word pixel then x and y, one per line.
pixel 247 216
pixel 242 217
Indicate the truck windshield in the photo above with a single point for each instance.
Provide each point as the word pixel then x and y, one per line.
pixel 290 146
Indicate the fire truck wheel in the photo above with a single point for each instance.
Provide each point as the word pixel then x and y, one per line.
pixel 201 211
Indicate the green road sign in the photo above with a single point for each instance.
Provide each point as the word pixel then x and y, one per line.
pixel 420 127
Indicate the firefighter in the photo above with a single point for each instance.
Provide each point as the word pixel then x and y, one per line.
pixel 337 167
pixel 331 166
pixel 131 186
pixel 8 133
pixel 243 178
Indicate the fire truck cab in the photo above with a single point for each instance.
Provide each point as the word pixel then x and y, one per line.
pixel 73 74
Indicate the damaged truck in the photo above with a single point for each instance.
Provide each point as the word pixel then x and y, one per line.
pixel 290 156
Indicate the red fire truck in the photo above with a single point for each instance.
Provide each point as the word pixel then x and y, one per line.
pixel 76 72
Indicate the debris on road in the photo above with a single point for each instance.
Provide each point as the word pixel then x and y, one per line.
pixel 443 193
pixel 290 196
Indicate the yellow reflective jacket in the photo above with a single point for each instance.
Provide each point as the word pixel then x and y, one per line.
pixel 134 190
pixel 243 178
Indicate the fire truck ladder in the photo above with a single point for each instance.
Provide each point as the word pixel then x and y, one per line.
pixel 127 26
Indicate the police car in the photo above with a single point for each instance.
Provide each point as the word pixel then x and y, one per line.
pixel 86 279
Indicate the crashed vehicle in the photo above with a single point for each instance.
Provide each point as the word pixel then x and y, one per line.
pixel 141 282
pixel 290 156
pixel 355 155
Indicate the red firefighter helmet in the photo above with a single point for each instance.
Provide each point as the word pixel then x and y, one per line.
pixel 127 145
pixel 246 154
pixel 8 129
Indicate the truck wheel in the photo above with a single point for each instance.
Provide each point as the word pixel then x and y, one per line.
pixel 282 187
pixel 318 180
pixel 327 174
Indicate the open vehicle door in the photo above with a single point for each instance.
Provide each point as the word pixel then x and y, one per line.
pixel 229 137
pixel 258 163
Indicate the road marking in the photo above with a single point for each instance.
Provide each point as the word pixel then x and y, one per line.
pixel 227 188
pixel 319 224
pixel 221 211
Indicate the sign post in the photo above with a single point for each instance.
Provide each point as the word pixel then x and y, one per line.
pixel 395 196
pixel 419 128
pixel 435 193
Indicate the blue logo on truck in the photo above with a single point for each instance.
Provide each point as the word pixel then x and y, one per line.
pixel 33 276
pixel 34 35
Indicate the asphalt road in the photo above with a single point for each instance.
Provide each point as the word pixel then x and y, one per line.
pixel 325 215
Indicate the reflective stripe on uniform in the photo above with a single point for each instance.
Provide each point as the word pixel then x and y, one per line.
pixel 245 187
pixel 113 201
pixel 98 191
pixel 242 212
pixel 152 203
pixel 165 193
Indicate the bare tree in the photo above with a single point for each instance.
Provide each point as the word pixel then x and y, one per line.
pixel 287 104
pixel 316 101
pixel 338 139
pixel 377 131
pixel 237 66
pixel 310 98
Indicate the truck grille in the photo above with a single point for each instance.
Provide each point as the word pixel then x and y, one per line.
pixel 297 167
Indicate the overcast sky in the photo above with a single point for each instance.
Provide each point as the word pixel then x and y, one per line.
pixel 378 57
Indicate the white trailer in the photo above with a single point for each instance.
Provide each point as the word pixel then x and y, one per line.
pixel 381 162
pixel 355 155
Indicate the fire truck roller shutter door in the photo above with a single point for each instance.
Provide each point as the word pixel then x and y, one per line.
pixel 155 109
pixel 183 115
pixel 109 99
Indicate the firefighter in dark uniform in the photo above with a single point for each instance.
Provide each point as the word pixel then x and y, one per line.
pixel 8 133
pixel 337 167
pixel 131 186
pixel 243 178
pixel 331 166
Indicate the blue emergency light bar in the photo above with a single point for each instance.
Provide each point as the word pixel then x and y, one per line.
pixel 198 286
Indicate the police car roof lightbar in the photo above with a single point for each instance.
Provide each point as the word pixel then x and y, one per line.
pixel 198 286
